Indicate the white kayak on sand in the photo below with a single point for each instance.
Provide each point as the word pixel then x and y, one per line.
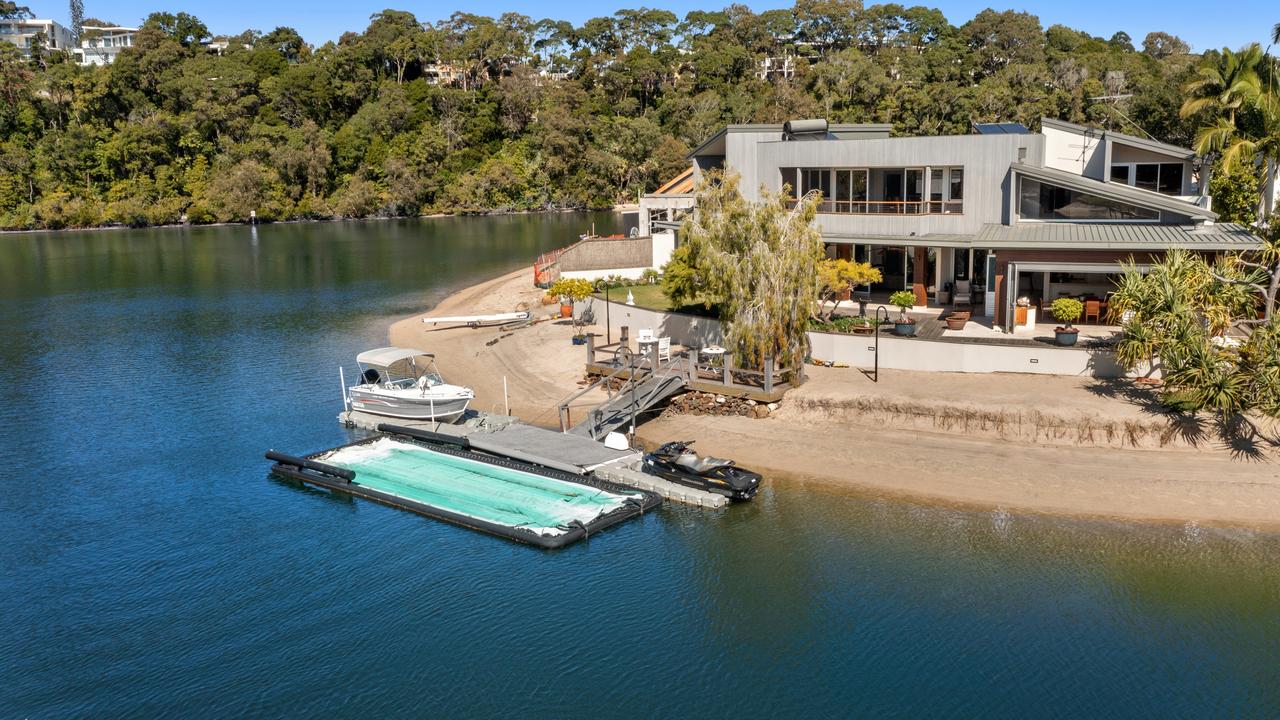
pixel 478 320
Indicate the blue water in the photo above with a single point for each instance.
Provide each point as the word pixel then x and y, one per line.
pixel 151 568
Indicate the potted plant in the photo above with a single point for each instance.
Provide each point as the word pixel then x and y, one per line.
pixel 570 291
pixel 957 320
pixel 1067 310
pixel 904 300
pixel 861 325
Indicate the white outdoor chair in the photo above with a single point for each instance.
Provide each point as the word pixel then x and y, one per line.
pixel 664 349
pixel 963 295
pixel 644 335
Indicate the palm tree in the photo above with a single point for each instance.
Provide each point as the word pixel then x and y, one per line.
pixel 1224 83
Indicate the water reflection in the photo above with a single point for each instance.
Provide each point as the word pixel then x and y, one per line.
pixel 151 569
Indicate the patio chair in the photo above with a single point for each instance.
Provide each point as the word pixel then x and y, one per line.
pixel 964 295
pixel 664 350
pixel 1093 309
pixel 644 335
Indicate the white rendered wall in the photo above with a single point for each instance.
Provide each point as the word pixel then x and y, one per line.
pixel 859 350
pixel 1080 154
pixel 916 354
pixel 628 273
pixel 664 243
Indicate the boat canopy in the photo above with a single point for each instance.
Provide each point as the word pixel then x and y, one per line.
pixel 387 356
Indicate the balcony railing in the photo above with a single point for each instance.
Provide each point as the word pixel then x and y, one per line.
pixel 888 207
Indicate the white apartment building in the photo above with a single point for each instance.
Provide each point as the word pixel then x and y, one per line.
pixel 100 45
pixel 22 33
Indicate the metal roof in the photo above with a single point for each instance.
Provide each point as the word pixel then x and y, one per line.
pixel 714 145
pixel 1009 128
pixel 929 239
pixel 1114 191
pixel 1133 140
pixel 1076 236
pixel 1116 236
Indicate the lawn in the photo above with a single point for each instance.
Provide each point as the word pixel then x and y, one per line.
pixel 652 297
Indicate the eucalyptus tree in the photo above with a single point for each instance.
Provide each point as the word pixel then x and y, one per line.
pixel 761 259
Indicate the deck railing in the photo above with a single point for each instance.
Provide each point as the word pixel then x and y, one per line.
pixel 888 207
pixel 722 372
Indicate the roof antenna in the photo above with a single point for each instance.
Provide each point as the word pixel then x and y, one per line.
pixel 1125 96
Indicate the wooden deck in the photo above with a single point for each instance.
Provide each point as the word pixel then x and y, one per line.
pixel 722 378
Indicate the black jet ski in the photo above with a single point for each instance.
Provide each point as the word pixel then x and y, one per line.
pixel 674 461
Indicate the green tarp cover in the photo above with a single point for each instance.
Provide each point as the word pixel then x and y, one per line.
pixel 473 488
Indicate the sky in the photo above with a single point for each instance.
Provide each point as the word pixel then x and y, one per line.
pixel 322 20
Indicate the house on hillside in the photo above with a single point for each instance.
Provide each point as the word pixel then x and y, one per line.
pixel 100 45
pixel 1005 217
pixel 24 32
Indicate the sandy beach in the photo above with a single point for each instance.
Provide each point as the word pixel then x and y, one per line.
pixel 1021 442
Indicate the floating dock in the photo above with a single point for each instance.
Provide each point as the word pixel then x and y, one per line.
pixel 506 436
pixel 442 478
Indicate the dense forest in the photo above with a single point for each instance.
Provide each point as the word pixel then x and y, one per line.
pixel 476 114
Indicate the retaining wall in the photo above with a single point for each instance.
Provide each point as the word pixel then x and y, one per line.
pixel 859 350
pixel 607 253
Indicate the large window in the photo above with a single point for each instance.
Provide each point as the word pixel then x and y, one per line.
pixel 1165 178
pixel 851 191
pixel 1041 201
pixel 816 179
pixel 880 191
pixel 946 190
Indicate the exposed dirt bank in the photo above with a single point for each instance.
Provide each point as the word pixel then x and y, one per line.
pixel 1027 442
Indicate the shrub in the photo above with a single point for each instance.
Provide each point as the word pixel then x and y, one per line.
pixel 1067 310
pixel 681 280
pixel 650 276
pixel 573 289
pixel 904 300
pixel 836 276
pixel 843 324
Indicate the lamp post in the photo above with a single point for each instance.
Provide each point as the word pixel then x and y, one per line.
pixel 608 326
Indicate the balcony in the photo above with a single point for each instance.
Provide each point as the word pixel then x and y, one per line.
pixel 887 207
pixel 881 191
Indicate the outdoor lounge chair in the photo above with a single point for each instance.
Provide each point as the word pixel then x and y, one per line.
pixel 1093 309
pixel 964 295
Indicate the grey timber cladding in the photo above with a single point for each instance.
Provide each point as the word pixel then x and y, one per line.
pixel 985 158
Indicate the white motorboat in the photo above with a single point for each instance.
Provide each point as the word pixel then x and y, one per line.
pixel 404 383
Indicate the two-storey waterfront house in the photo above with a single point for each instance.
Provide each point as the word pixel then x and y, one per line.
pixel 1006 212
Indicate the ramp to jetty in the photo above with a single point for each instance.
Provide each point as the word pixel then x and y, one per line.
pixel 639 395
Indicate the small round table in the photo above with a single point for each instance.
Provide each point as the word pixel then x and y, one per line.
pixel 715 357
